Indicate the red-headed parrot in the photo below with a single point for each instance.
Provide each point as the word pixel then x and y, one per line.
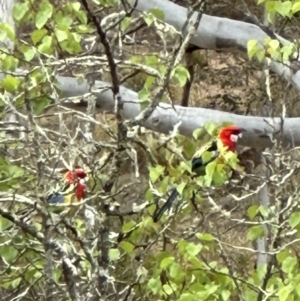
pixel 73 190
pixel 225 141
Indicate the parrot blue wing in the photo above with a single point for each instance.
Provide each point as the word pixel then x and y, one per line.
pixel 55 198
pixel 167 205
pixel 62 195
pixel 210 146
pixel 197 163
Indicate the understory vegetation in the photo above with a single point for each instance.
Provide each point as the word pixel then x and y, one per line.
pixel 223 240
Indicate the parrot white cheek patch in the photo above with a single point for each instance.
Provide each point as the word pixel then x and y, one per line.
pixel 234 138
pixel 82 181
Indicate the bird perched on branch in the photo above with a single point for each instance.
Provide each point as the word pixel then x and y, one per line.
pixel 213 150
pixel 74 188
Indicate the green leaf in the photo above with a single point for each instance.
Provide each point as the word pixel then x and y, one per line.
pixel 166 262
pixel 125 23
pixel 61 35
pixel 10 83
pixel 273 48
pixel 198 133
pixel 193 249
pixel 176 270
pixel 252 211
pixel 20 10
pixel 261 271
pixel 127 246
pixel 297 289
pixel 287 51
pixel 260 54
pixel 284 292
pixel 211 128
pixel 63 22
pixel 181 187
pixel 294 219
pixel 264 211
pixel 274 44
pixel 296 7
pixel 210 169
pixel 149 18
pixel 205 236
pixel 150 80
pixel 46 45
pixel 281 256
pixel 9 63
pixel 9 253
pixel 283 8
pixel 44 14
pixel 187 297
pixel 144 94
pixel 40 104
pixel 37 35
pixel 181 74
pixel 57 274
pixel 220 176
pixel 81 15
pixel 75 6
pixel 135 59
pixel 206 156
pixel 271 16
pixel 129 226
pixel 152 61
pixel 189 149
pixel 114 254
pixel 154 285
pixel 16 282
pixel 156 172
pixel 83 29
pixel 7 32
pixel 157 13
pixel 29 53
pixel 289 264
pixel 72 44
pixel 167 289
pixel 4 223
pixel 225 295
pixel 252 48
pixel 270 5
pixel 256 232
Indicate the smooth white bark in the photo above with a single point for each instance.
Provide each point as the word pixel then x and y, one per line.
pixel 6 16
pixel 215 32
pixel 212 32
pixel 164 117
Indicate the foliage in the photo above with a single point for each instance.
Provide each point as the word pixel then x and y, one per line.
pixel 201 250
pixel 273 48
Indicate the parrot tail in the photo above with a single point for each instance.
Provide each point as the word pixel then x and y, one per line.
pixel 167 205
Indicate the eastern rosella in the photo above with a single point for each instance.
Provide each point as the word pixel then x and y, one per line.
pixel 73 190
pixel 225 141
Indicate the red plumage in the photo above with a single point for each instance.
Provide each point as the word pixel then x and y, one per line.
pixel 226 135
pixel 76 177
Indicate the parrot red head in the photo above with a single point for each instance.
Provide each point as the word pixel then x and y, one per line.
pixel 76 177
pixel 229 136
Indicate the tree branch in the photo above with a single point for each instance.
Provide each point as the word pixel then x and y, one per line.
pixel 218 33
pixel 164 117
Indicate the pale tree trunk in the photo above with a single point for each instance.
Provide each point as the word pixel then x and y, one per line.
pixel 211 32
pixel 6 16
pixel 264 195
